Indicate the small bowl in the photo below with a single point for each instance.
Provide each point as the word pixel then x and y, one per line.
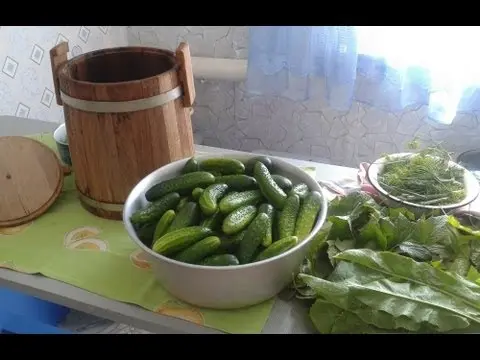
pixel 226 287
pixel 472 188
pixel 61 139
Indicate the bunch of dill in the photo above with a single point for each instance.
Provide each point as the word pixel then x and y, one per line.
pixel 424 178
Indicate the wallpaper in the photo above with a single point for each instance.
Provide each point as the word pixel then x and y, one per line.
pixel 26 83
pixel 226 116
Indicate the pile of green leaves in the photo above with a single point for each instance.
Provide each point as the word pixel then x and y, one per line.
pixel 379 269
pixel 425 178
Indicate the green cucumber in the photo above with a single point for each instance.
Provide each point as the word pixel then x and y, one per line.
pixel 154 211
pixel 220 260
pixel 163 224
pixel 183 201
pixel 270 211
pixel 274 193
pixel 196 193
pixel 265 160
pixel 239 219
pixel 224 166
pixel 189 215
pixel 210 196
pixel 282 181
pixel 253 238
pixel 277 248
pixel 190 166
pixel 308 214
pixel 238 182
pixel 213 222
pixel 230 243
pixel 199 250
pixel 288 216
pixel 301 190
pixel 178 240
pixel 145 234
pixel 235 200
pixel 182 184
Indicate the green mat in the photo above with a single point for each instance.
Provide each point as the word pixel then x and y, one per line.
pixel 69 244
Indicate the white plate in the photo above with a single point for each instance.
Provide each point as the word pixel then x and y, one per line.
pixel 472 186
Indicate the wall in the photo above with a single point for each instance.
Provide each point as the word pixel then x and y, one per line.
pixel 228 117
pixel 26 84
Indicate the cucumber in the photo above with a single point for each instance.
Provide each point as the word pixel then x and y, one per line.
pixel 180 239
pixel 190 166
pixel 182 184
pixel 282 181
pixel 288 216
pixel 239 219
pixel 145 233
pixel 274 194
pixel 308 214
pixel 301 190
pixel 210 196
pixel 235 200
pixel 265 160
pixel 230 243
pixel 196 193
pixel 224 166
pixel 253 238
pixel 154 211
pixel 220 260
pixel 277 248
pixel 270 211
pixel 183 201
pixel 238 182
pixel 199 250
pixel 163 224
pixel 189 215
pixel 213 222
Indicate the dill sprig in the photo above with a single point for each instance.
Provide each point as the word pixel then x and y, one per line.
pixel 425 177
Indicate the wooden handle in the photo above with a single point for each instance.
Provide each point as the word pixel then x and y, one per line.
pixel 186 74
pixel 58 56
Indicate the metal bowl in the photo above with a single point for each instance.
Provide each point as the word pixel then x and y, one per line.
pixel 223 287
pixel 472 188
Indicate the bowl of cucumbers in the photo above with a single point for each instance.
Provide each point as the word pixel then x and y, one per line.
pixel 225 231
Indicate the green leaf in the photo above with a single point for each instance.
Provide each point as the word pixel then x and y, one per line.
pixel 475 254
pixel 351 204
pixel 391 291
pixel 415 251
pixel 372 232
pixel 341 228
pixel 473 275
pixel 391 264
pixel 465 229
pixel 335 247
pixel 330 319
pixel 394 212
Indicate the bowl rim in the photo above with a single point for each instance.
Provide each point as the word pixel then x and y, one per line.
pixel 57 134
pixel 321 218
pixel 472 186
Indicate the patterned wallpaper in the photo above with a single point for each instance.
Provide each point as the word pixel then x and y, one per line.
pixel 26 83
pixel 228 117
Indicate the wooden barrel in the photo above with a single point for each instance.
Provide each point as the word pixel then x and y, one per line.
pixel 127 113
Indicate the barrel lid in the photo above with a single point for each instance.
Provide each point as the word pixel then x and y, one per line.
pixel 31 179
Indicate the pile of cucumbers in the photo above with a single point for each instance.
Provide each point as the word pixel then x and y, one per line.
pixel 224 212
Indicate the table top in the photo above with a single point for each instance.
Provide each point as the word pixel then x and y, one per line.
pixel 288 316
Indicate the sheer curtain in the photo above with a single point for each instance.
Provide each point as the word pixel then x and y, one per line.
pixel 390 67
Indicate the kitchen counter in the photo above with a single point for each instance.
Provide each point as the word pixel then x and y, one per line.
pixel 288 316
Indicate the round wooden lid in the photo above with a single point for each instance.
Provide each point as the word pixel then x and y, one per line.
pixel 31 178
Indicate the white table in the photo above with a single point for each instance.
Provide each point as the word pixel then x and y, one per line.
pixel 286 317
